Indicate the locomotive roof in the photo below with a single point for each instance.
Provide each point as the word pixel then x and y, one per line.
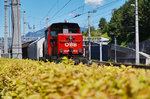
pixel 61 24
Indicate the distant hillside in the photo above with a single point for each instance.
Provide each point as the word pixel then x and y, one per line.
pixel 39 33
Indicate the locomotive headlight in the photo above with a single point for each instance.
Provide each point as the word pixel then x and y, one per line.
pixel 80 50
pixel 61 51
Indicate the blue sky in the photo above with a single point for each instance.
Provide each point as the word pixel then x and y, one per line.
pixel 37 11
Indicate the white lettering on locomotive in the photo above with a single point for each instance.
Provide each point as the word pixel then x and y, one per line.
pixel 74 51
pixel 71 44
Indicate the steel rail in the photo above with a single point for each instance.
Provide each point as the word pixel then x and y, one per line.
pixel 119 65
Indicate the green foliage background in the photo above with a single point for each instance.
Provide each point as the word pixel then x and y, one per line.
pixel 122 23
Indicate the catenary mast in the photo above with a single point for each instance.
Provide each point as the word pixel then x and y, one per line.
pixel 16 29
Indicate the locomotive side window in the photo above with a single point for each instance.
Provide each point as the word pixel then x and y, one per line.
pixel 53 33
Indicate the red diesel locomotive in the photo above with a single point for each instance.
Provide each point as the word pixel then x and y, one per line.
pixel 63 39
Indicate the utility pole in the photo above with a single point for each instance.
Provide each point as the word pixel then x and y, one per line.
pixel 47 21
pixel 16 29
pixel 89 35
pixel 100 49
pixel 115 50
pixel 5 38
pixel 24 28
pixel 137 32
pixel 100 46
pixel 0 50
pixel 94 11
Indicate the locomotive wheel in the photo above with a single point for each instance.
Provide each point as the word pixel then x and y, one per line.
pixel 59 60
pixel 42 59
pixel 84 60
pixel 76 61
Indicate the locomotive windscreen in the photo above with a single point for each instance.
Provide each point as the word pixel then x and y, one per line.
pixel 65 28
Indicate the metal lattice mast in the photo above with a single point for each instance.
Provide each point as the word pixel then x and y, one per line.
pixel 16 29
pixel 5 38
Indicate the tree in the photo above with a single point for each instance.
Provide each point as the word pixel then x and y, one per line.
pixel 91 29
pixel 122 23
pixel 144 20
pixel 102 23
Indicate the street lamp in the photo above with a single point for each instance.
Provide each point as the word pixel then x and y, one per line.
pixel 89 34
pixel 136 32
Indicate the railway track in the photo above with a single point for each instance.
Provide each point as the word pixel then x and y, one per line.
pixel 119 65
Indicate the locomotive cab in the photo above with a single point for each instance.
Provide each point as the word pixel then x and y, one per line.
pixel 63 39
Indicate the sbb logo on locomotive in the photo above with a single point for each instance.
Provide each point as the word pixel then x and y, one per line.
pixel 71 44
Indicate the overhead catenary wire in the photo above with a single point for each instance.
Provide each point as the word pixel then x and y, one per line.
pixel 49 10
pixel 56 12
pixel 102 14
pixel 80 7
pixel 77 15
pixel 95 21
pixel 96 9
pixel 61 9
